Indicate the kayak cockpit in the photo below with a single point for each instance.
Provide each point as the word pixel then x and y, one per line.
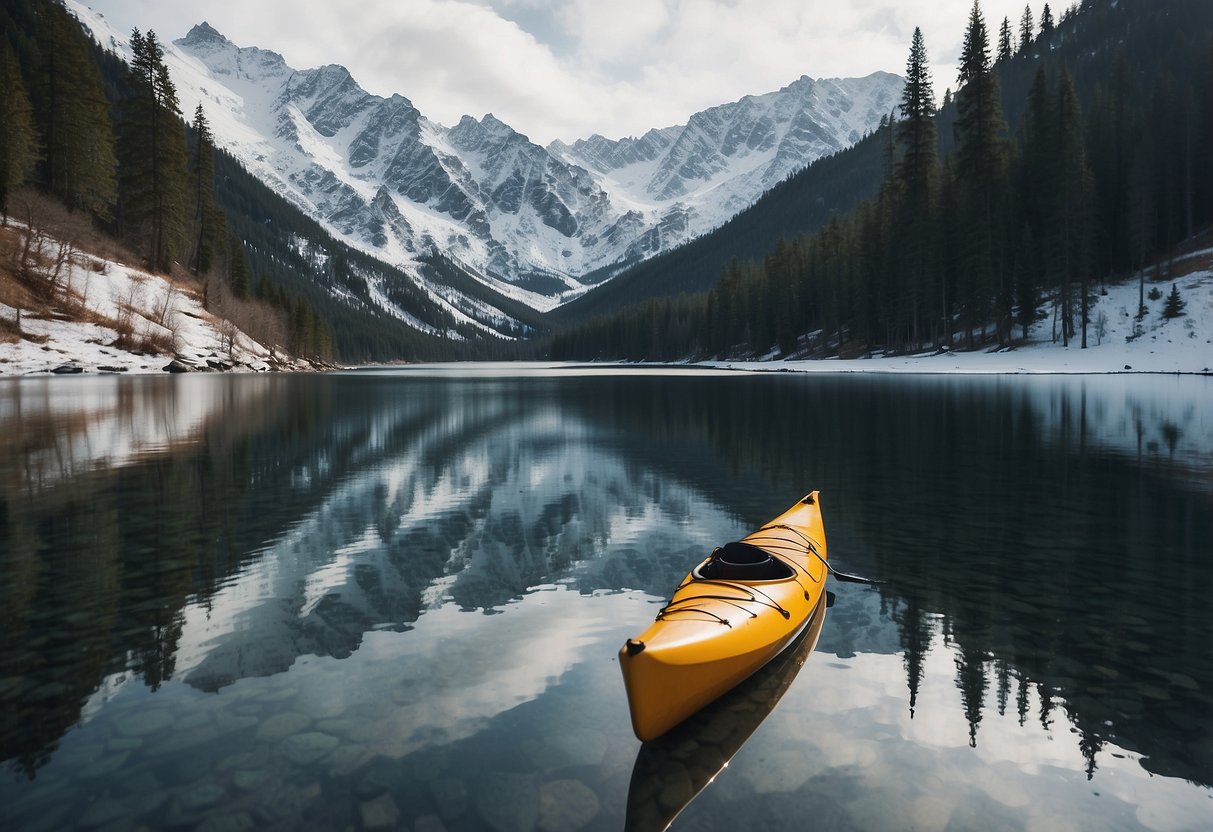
pixel 738 561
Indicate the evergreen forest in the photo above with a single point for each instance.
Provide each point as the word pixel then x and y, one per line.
pixel 1074 149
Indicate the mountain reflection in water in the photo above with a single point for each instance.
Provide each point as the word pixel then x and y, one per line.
pixel 337 541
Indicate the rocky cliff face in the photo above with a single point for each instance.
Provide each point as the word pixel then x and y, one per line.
pixel 535 223
pixel 485 193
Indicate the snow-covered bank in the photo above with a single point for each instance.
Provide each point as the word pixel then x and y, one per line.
pixel 98 315
pixel 1116 341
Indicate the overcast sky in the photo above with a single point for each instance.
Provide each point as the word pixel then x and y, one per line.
pixel 568 68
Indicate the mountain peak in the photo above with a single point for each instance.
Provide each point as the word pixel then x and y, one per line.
pixel 204 33
pixel 491 122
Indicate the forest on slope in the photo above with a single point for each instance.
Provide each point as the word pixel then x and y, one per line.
pixel 1073 151
pixel 107 140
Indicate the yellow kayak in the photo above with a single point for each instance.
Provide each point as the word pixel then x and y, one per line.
pixel 732 614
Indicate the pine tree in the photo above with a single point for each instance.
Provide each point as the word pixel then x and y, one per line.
pixel 1004 41
pixel 1037 178
pixel 1174 306
pixel 153 174
pixel 1026 27
pixel 72 115
pixel 207 222
pixel 1046 22
pixel 18 143
pixel 980 157
pixel 1072 216
pixel 916 180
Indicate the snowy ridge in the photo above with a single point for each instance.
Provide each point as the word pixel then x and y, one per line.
pixel 392 182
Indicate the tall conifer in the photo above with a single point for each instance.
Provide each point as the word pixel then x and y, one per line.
pixel 18 143
pixel 1026 27
pixel 207 223
pixel 153 158
pixel 72 115
pixel 980 158
pixel 1036 180
pixel 916 178
pixel 1004 41
pixel 1072 217
pixel 1046 22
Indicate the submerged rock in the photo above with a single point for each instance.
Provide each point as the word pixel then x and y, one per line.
pixel 143 723
pixel 200 796
pixel 429 823
pixel 508 802
pixel 380 813
pixel 566 806
pixel 307 748
pixel 451 796
pixel 101 812
pixel 280 726
pixel 249 780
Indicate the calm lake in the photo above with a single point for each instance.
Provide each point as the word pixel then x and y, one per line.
pixel 393 599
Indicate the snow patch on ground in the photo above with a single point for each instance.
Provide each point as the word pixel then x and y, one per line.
pixel 1153 345
pixel 103 297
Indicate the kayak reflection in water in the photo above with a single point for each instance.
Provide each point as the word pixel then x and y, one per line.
pixel 673 769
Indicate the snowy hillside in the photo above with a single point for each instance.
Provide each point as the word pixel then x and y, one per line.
pixel 108 317
pixel 1117 341
pixel 530 222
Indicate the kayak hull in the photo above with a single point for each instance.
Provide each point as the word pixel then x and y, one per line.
pixel 715 632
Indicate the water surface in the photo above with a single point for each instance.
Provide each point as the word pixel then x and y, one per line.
pixel 393 599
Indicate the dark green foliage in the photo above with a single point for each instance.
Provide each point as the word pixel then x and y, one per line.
pixel 1046 23
pixel 1004 41
pixel 206 230
pixel 980 161
pixel 18 143
pixel 803 202
pixel 71 112
pixel 1113 154
pixel 916 188
pixel 1174 307
pixel 1070 213
pixel 292 261
pixel 153 183
pixel 1026 27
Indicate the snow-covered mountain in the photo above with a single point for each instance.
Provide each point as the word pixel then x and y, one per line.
pixel 725 156
pixel 534 223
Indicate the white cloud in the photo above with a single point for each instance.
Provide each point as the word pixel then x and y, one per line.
pixel 568 68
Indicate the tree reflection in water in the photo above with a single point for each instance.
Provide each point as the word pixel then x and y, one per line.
pixel 1030 525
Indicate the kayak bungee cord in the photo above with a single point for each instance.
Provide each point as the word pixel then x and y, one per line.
pixel 749 591
pixel 842 576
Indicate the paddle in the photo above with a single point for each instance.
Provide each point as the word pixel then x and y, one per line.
pixel 853 579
